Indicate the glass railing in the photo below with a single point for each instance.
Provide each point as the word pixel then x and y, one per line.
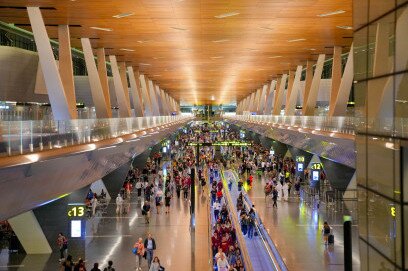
pixel 20 137
pixel 343 125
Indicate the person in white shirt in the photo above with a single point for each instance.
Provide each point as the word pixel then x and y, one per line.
pixel 222 263
pixel 94 204
pixel 119 205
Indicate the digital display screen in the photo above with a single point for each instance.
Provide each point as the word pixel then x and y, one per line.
pixel 272 152
pixel 315 175
pixel 76 228
pixel 300 167
pixel 164 149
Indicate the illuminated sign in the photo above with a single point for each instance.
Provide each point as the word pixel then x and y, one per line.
pixel 393 211
pixel 76 211
pixel 300 167
pixel 317 166
pixel 300 159
pixel 76 228
pixel 315 175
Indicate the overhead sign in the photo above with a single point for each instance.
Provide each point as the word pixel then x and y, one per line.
pixel 76 210
pixel 317 166
pixel 300 159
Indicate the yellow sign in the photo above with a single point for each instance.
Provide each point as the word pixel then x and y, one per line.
pixel 300 159
pixel 393 211
pixel 317 166
pixel 75 211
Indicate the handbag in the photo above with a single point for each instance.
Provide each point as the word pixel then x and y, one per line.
pixel 161 268
pixel 134 250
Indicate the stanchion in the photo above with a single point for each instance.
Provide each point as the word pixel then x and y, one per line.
pixel 348 259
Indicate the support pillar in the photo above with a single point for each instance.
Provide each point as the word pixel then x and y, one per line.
pixel 103 77
pixel 262 98
pixel 30 233
pixel 123 77
pixel 291 79
pixel 294 93
pixel 66 69
pixel 134 89
pixel 336 75
pixel 279 95
pixel 98 97
pixel 308 82
pixel 270 99
pixel 148 110
pixel 55 88
pixel 309 109
pixel 153 98
pixel 165 105
pixel 124 109
pixel 257 100
pixel 159 100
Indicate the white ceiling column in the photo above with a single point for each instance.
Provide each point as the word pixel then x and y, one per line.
pixel 308 83
pixel 124 108
pixel 66 68
pixel 148 109
pixel 123 77
pixel 279 95
pixel 98 97
pixel 257 100
pixel 159 100
pixel 153 98
pixel 251 105
pixel 340 103
pixel 270 99
pixel 262 99
pixel 134 90
pixel 309 108
pixel 294 93
pixel 55 88
pixel 103 77
pixel 165 103
pixel 336 75
pixel 291 79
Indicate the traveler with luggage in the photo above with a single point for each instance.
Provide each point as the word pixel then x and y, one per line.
pixel 327 230
pixel 150 247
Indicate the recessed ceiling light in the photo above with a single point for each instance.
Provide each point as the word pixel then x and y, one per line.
pixel 127 50
pixel 266 28
pixel 158 57
pixel 217 57
pixel 311 49
pixel 212 98
pixel 101 28
pixel 274 56
pixel 331 13
pixel 225 15
pixel 295 40
pixel 122 15
pixel 219 41
pixel 142 41
pixel 145 64
pixel 157 75
pixel 252 49
pixel 347 27
pixel 178 28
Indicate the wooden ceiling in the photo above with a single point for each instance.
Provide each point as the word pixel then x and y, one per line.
pixel 194 55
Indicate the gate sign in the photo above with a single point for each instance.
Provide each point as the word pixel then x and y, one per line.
pixel 76 213
pixel 300 163
pixel 316 167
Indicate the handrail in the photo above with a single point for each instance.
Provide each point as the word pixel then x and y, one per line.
pixel 270 246
pixel 234 218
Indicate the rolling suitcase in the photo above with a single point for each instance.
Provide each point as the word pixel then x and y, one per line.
pixel 331 239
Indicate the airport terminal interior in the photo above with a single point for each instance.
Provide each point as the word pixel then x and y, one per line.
pixel 203 135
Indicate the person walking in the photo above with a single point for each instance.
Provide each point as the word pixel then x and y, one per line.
pixel 222 263
pixel 139 252
pixel 167 200
pixel 68 264
pixel 146 211
pixel 96 267
pixel 155 266
pixel 62 243
pixel 110 267
pixel 94 204
pixel 274 197
pixel 119 205
pixel 150 247
pixel 326 232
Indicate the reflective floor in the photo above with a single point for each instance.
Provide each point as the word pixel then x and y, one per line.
pixel 111 238
pixel 295 227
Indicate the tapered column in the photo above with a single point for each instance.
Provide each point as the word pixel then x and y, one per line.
pixel 252 102
pixel 257 100
pixel 159 100
pixel 309 109
pixel 55 88
pixel 66 70
pixel 340 104
pixel 148 110
pixel 262 99
pixel 308 82
pixel 294 93
pixel 153 98
pixel 134 89
pixel 336 75
pixel 279 95
pixel 166 105
pixel 123 77
pixel 103 77
pixel 124 108
pixel 30 233
pixel 98 97
pixel 291 79
pixel 270 99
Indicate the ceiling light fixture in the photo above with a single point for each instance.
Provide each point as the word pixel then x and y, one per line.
pixel 127 50
pixel 217 57
pixel 122 15
pixel 178 28
pixel 331 13
pixel 265 28
pixel 212 98
pixel 142 41
pixel 295 40
pixel 219 41
pixel 274 56
pixel 346 27
pixel 101 28
pixel 145 64
pixel 252 49
pixel 225 15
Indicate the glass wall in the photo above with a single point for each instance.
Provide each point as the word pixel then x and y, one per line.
pixel 381 96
